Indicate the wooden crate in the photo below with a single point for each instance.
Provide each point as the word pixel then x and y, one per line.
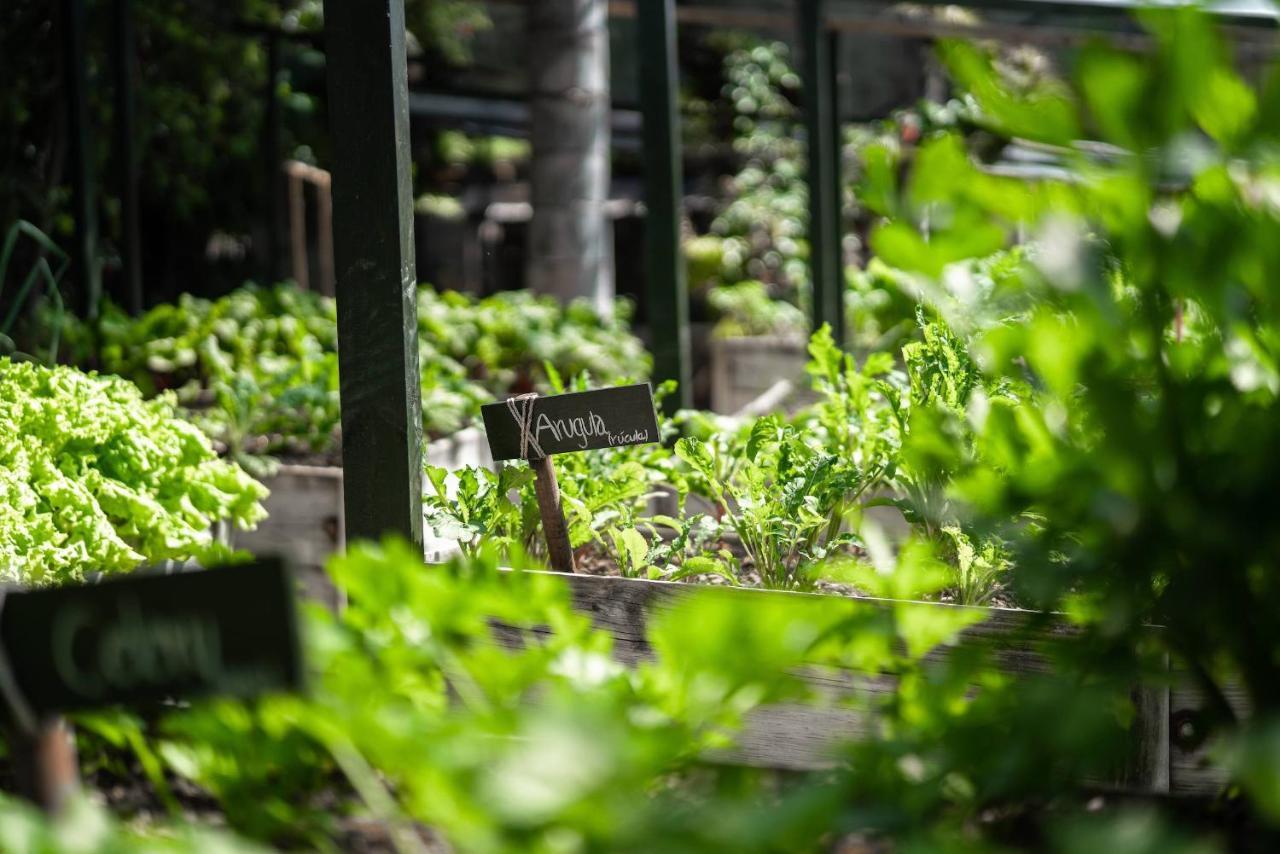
pixel 742 369
pixel 304 524
pixel 305 520
pixel 798 736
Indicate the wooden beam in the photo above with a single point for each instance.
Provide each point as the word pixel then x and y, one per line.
pixel 803 735
pixel 374 260
pixel 666 290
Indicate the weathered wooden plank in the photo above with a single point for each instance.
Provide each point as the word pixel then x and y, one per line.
pixel 1190 767
pixel 304 524
pixel 801 736
pixel 744 368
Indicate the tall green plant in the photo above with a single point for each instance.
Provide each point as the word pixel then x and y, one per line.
pixel 1138 487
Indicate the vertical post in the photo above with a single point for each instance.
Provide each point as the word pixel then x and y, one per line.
pixel 126 152
pixel 324 231
pixel 825 257
pixel 554 529
pixel 44 764
pixel 665 288
pixel 374 260
pixel 298 227
pixel 84 252
pixel 271 158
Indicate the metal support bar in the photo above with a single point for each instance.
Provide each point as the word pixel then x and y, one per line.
pixel 376 278
pixel 818 71
pixel 126 152
pixel 84 252
pixel 666 289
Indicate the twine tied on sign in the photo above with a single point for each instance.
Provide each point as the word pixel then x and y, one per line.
pixel 523 414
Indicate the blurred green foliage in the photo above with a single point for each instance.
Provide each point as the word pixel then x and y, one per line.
pixel 1091 417
pixel 422 715
pixel 258 368
pixel 1132 482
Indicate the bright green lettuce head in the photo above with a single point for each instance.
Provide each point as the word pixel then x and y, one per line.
pixel 95 479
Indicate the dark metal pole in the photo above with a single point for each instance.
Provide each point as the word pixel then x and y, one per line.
pixel 271 157
pixel 131 244
pixel 376 278
pixel 666 289
pixel 84 196
pixel 825 257
pixel 839 329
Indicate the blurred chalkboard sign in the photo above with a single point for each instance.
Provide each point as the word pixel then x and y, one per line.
pixel 147 637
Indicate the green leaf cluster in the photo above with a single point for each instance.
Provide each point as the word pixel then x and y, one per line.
pixel 257 369
pixel 93 478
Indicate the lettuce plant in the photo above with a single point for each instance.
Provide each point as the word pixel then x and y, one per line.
pixel 257 369
pixel 93 478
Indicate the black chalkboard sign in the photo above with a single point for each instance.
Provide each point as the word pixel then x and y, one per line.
pixel 147 637
pixel 578 421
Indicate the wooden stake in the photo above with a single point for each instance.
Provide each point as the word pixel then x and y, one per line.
pixel 44 763
pixel 559 552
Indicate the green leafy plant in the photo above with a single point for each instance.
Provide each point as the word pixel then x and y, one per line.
pixel 417 715
pixel 604 494
pixel 258 368
pixel 426 718
pixel 88 826
pixel 1133 489
pixel 747 309
pixel 786 501
pixel 95 479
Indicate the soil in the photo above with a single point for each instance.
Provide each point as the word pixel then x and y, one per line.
pixel 127 793
pixel 592 560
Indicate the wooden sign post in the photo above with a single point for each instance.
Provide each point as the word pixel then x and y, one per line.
pixel 135 640
pixel 533 428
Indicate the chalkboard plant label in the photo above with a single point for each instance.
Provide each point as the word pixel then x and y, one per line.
pixel 578 421
pixel 148 637
pixel 533 428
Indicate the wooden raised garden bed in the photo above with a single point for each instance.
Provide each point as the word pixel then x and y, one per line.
pixel 795 736
pixel 305 517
